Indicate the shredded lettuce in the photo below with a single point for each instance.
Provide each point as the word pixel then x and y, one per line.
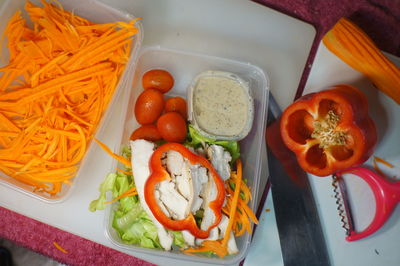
pixel 195 140
pixel 130 220
pixel 178 238
pixel 107 185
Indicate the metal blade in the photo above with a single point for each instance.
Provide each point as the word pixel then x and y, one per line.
pixel 298 223
pixel 343 206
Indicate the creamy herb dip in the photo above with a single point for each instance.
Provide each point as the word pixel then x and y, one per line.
pixel 221 105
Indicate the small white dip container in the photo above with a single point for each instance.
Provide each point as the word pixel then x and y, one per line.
pixel 220 105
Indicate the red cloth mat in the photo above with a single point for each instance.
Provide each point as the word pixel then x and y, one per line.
pixel 379 18
pixel 40 238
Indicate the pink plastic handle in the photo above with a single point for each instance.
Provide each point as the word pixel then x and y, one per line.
pixel 386 194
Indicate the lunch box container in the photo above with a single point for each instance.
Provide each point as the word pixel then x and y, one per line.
pixel 96 12
pixel 184 66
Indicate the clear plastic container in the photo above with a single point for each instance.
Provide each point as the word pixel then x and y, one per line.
pixel 185 66
pixel 99 13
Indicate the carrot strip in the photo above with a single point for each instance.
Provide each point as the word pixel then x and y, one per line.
pixel 124 172
pixel 8 124
pixel 119 158
pixel 382 161
pixel 248 211
pixel 60 248
pixel 130 192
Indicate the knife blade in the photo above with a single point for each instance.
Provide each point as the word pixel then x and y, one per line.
pixel 296 214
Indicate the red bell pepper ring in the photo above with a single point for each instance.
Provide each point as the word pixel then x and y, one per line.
pixel 159 173
pixel 330 130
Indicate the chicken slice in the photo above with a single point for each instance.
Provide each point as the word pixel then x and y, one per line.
pixel 209 194
pixel 214 235
pixel 199 179
pixel 188 237
pixel 184 183
pixel 161 204
pixel 174 162
pixel 175 202
pixel 220 160
pixel 141 153
pixel 232 247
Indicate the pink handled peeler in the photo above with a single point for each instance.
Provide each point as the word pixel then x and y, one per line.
pixel 386 194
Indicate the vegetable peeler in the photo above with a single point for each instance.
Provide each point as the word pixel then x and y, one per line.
pixel 387 196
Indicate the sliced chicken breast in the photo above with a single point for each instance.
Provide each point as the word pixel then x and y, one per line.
pixel 209 193
pixel 220 160
pixel 173 200
pixel 174 162
pixel 232 247
pixel 141 153
pixel 199 178
pixel 214 235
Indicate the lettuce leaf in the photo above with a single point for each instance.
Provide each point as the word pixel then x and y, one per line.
pixel 178 238
pixel 107 185
pixel 130 220
pixel 195 140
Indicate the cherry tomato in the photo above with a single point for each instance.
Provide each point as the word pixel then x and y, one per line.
pixel 176 104
pixel 147 132
pixel 172 127
pixel 158 79
pixel 149 106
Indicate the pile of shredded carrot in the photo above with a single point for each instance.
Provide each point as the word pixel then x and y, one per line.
pixel 347 41
pixel 244 215
pixel 238 195
pixel 61 76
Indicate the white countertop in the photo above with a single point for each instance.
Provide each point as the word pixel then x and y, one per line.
pixel 236 29
pixel 381 248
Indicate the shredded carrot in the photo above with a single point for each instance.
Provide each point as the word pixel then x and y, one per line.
pixel 60 248
pixel 119 158
pixel 352 45
pixel 60 78
pixel 378 170
pixel 382 161
pixel 124 172
pixel 245 214
pixel 130 192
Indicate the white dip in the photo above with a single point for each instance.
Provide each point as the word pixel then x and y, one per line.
pixel 221 105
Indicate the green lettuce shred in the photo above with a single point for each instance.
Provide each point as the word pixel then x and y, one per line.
pixel 196 140
pixel 130 220
pixel 107 185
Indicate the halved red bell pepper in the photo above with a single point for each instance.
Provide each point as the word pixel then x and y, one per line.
pixel 329 130
pixel 159 173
